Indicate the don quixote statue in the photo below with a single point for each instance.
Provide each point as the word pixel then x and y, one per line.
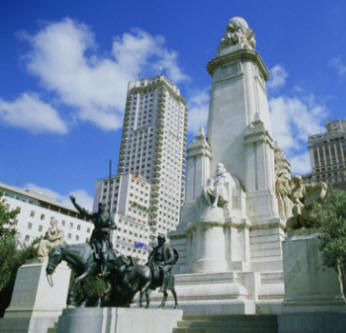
pixel 123 277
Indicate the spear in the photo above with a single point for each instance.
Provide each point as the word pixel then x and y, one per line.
pixel 109 190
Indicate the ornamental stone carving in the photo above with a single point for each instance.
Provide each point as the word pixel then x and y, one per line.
pixel 305 197
pixel 218 190
pixel 283 183
pixel 238 32
pixel 54 236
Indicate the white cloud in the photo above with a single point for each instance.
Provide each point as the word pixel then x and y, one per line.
pixel 339 66
pixel 169 63
pixel 293 120
pixel 82 197
pixel 278 77
pixel 198 111
pixel 300 163
pixel 29 112
pixel 64 56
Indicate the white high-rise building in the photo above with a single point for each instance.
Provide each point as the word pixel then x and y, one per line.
pixel 148 191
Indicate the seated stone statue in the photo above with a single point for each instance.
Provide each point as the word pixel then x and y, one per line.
pixel 218 190
pixel 305 197
pixel 54 236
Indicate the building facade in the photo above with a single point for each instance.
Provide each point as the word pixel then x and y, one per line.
pixel 148 191
pixel 36 212
pixel 327 155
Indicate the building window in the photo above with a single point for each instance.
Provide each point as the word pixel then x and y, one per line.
pixel 32 213
pixel 27 238
pixel 29 225
pixel 40 227
pixel 42 217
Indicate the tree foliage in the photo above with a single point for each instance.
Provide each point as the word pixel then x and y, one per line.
pixel 332 222
pixel 7 219
pixel 12 253
pixel 94 287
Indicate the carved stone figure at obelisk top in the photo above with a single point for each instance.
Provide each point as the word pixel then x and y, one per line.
pixel 238 32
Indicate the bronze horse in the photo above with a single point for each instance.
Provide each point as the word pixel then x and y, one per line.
pixel 81 259
pixel 125 277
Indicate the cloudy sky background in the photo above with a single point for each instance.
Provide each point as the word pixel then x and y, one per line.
pixel 64 69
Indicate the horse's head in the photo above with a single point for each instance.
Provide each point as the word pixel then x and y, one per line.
pixel 54 258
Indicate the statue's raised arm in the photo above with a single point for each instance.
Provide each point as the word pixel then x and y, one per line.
pixel 81 210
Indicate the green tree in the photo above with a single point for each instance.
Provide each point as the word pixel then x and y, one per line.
pixel 332 221
pixel 7 219
pixel 12 253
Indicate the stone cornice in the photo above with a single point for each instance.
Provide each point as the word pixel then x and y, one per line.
pixel 242 54
pixel 274 223
pixel 243 223
pixel 258 134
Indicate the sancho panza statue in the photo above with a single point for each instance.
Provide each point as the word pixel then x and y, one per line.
pixel 163 257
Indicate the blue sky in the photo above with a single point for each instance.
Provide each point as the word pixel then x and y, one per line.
pixel 64 68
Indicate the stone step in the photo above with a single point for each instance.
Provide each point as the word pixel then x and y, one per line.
pixel 225 330
pixel 235 317
pixel 228 324
pixel 223 323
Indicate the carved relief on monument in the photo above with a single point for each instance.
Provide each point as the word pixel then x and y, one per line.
pixel 223 191
pixel 54 236
pixel 305 198
pixel 238 32
pixel 283 183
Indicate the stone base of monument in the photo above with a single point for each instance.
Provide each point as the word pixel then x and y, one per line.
pixel 226 293
pixel 309 285
pixel 35 306
pixel 118 320
pixel 319 322
pixel 313 302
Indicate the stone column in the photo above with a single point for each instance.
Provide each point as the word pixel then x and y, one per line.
pixel 260 178
pixel 198 166
pixel 209 233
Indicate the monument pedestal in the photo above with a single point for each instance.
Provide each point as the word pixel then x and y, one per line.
pixel 309 285
pixel 35 306
pixel 226 293
pixel 118 320
pixel 313 302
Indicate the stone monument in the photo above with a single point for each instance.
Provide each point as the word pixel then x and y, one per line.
pixel 35 306
pixel 231 227
pixel 53 237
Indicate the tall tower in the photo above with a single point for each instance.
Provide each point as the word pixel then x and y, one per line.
pixel 239 102
pixel 151 163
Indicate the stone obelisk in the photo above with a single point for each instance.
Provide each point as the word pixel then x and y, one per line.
pixel 230 232
pixel 239 126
